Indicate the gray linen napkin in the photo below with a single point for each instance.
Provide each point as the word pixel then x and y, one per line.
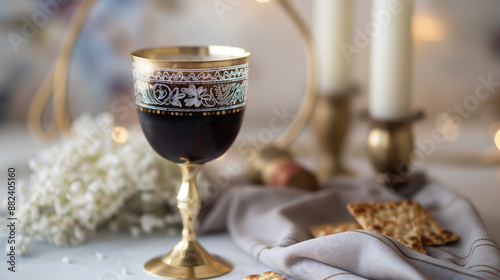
pixel 272 225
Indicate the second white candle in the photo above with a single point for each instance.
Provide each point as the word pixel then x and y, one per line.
pixel 391 60
pixel 332 28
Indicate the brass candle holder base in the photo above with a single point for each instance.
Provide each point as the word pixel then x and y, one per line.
pixel 188 259
pixel 390 146
pixel 331 121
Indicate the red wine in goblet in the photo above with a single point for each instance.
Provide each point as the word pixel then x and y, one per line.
pixel 191 137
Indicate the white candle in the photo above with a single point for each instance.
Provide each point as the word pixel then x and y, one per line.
pixel 391 59
pixel 332 27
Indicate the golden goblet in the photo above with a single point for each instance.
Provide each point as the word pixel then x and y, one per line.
pixel 190 102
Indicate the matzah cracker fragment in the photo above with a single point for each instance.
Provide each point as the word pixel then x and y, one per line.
pixel 327 229
pixel 399 220
pixel 269 275
pixel 432 232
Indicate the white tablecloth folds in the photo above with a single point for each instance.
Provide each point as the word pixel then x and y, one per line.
pixel 272 225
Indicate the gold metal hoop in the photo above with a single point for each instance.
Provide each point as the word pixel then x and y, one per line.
pixel 59 75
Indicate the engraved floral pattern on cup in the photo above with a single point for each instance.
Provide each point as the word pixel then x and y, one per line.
pixel 191 89
pixel 198 95
pixel 230 93
pixel 158 94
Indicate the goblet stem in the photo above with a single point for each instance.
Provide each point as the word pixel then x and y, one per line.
pixel 188 259
pixel 188 200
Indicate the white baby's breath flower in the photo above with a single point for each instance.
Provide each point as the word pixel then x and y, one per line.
pixel 88 181
pixel 150 222
pixel 79 234
pixel 20 250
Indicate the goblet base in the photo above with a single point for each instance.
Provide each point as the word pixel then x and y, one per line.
pixel 188 260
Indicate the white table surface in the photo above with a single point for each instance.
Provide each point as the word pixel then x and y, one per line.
pixel 470 165
pixel 120 252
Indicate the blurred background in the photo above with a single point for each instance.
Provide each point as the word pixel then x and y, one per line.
pixel 455 43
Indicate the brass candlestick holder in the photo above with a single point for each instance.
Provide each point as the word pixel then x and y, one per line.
pixel 332 121
pixel 390 147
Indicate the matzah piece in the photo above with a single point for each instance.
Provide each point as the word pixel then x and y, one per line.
pixel 327 229
pixel 399 220
pixel 269 275
pixel 432 232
